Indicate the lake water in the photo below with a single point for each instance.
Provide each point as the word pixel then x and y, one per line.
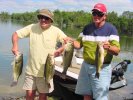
pixel 6 57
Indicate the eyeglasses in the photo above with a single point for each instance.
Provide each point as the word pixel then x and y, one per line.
pixel 99 14
pixel 42 17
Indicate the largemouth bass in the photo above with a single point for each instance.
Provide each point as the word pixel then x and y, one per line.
pixel 17 68
pixel 67 57
pixel 99 58
pixel 49 68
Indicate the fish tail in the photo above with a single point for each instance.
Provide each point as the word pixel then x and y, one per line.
pixel 63 76
pixel 97 75
pixel 14 83
pixel 64 70
pixel 49 85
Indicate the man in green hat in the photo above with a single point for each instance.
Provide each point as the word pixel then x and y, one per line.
pixel 43 37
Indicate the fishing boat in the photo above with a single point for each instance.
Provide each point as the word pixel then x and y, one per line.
pixel 72 73
pixel 64 88
pixel 118 80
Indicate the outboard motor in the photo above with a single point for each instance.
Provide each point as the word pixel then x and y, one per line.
pixel 118 80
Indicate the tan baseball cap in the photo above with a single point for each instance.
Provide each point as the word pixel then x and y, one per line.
pixel 47 13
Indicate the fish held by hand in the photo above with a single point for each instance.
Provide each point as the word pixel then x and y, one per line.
pixel 49 68
pixel 67 57
pixel 17 66
pixel 99 59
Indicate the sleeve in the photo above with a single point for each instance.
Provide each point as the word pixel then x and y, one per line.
pixel 61 36
pixel 79 39
pixel 115 43
pixel 24 32
pixel 114 37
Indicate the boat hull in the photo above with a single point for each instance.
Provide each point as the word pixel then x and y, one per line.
pixel 64 88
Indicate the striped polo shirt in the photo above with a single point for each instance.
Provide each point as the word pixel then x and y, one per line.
pixel 89 37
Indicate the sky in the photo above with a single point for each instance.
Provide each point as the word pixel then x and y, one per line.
pixel 20 6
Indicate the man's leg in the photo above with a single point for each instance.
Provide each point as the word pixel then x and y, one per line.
pixel 42 96
pixel 30 94
pixel 87 97
pixel 42 88
pixel 101 85
pixel 30 87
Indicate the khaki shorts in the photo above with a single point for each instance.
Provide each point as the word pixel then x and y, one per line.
pixel 37 83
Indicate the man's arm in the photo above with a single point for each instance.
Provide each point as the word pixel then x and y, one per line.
pixel 114 50
pixel 59 51
pixel 76 45
pixel 15 43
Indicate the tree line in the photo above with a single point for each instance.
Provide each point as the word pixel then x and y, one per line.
pixel 76 19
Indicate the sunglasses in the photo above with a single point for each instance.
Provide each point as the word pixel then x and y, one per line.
pixel 42 17
pixel 99 14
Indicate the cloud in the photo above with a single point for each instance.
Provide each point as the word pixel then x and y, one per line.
pixel 119 5
pixel 68 5
pixel 27 5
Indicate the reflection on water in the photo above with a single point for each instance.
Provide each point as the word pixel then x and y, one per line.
pixel 126 44
pixel 6 57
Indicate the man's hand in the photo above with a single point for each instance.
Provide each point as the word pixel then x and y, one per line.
pixel 59 51
pixel 56 53
pixel 15 50
pixel 68 39
pixel 106 45
pixel 114 50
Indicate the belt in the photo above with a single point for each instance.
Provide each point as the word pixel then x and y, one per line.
pixel 94 63
pixel 106 62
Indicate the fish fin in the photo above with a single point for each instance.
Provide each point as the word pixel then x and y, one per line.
pixel 51 86
pixel 12 63
pixel 62 64
pixel 14 83
pixel 97 75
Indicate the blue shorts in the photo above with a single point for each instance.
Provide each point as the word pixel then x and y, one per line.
pixel 87 84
